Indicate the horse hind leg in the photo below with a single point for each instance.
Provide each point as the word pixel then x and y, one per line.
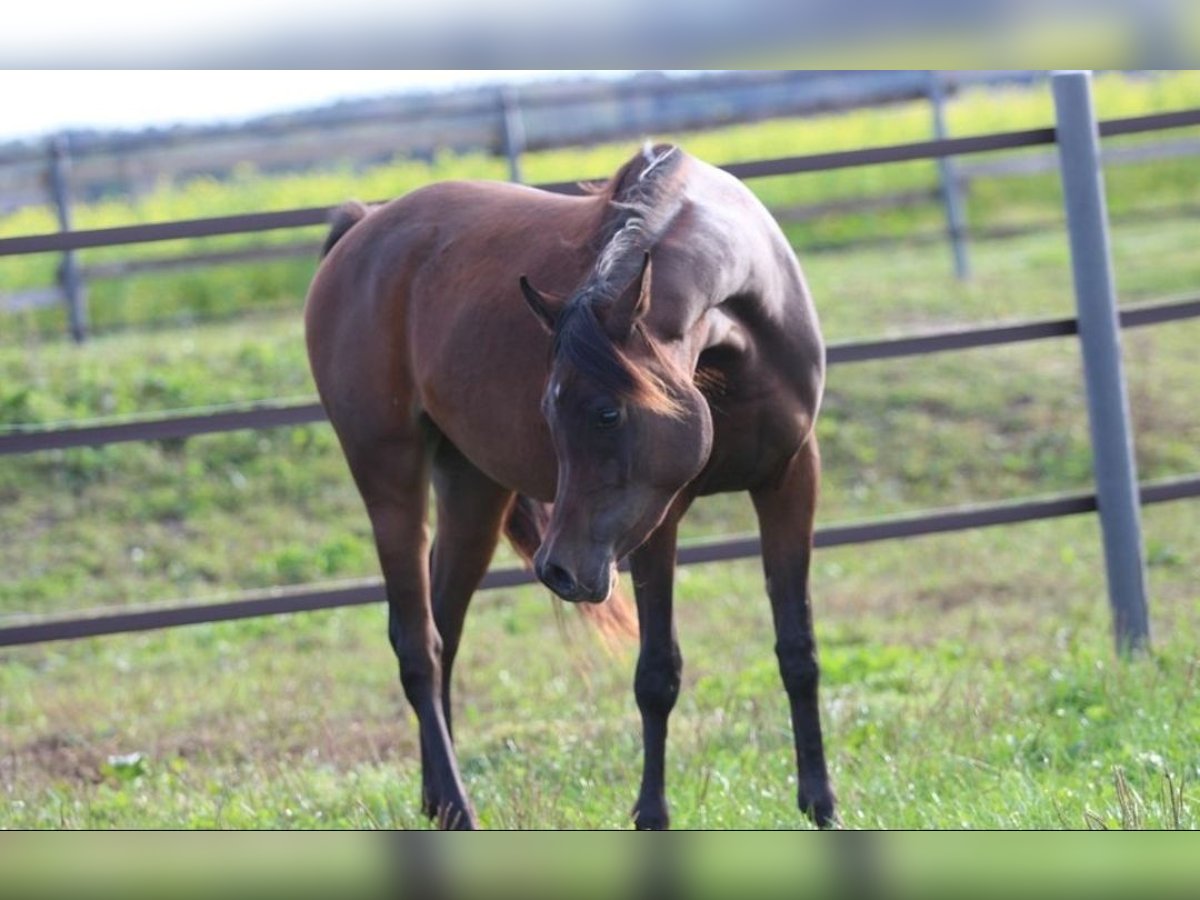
pixel 391 467
pixel 470 514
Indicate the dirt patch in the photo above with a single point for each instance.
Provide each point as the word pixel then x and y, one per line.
pixel 346 744
pixel 202 748
pixel 62 757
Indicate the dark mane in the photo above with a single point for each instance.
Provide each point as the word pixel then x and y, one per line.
pixel 642 201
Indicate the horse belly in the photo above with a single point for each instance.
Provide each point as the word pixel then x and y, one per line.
pixel 515 457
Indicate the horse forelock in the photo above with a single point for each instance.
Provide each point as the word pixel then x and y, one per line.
pixel 643 200
pixel 581 342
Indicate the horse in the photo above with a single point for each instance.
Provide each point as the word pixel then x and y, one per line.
pixel 574 370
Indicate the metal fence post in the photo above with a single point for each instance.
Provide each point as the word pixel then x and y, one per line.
pixel 1113 458
pixel 951 197
pixel 513 131
pixel 69 277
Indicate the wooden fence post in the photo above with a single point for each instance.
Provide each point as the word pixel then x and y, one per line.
pixel 1113 460
pixel 951 197
pixel 69 277
pixel 513 131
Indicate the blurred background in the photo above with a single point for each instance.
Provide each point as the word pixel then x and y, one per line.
pixel 603 33
pixel 121 148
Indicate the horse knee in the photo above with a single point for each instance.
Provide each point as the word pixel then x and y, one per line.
pixel 798 667
pixel 420 662
pixel 656 683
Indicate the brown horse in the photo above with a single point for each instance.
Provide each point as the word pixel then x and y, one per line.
pixel 675 353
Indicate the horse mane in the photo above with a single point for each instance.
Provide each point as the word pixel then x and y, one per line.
pixel 641 200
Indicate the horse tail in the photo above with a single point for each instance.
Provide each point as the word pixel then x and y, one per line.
pixel 343 219
pixel 525 526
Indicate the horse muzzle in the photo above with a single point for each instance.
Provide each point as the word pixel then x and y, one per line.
pixel 572 588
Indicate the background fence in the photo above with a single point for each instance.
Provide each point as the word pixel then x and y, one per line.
pixel 506 122
pixel 266 416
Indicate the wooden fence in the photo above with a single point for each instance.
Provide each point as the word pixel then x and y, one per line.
pixel 507 121
pixel 504 121
pixel 313 597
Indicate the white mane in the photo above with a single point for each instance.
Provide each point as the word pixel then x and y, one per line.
pixel 648 215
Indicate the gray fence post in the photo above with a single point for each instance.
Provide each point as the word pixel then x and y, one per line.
pixel 1100 336
pixel 956 219
pixel 69 277
pixel 513 131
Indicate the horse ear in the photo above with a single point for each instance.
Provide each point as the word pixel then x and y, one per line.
pixel 632 305
pixel 546 311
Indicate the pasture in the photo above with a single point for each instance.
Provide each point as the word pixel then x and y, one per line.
pixel 968 679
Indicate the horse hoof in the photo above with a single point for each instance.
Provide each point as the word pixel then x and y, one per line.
pixel 448 816
pixel 821 811
pixel 456 818
pixel 651 823
pixel 656 820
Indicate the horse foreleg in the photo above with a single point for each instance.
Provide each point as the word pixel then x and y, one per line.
pixel 659 665
pixel 786 508
pixel 470 514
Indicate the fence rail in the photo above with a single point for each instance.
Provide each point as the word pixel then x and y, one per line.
pixel 73 277
pixel 770 94
pixel 247 223
pixel 548 115
pixel 273 415
pixel 311 598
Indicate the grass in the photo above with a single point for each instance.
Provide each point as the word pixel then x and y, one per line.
pixel 969 679
pixel 965 695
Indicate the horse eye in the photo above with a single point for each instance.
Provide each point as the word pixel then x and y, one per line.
pixel 607 417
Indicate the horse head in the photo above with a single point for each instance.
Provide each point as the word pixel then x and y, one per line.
pixel 630 430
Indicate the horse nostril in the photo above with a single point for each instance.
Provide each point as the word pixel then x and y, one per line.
pixel 557 579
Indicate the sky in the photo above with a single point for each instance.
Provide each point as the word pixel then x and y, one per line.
pixel 38 102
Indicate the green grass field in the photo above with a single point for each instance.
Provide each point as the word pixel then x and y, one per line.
pixel 969 679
